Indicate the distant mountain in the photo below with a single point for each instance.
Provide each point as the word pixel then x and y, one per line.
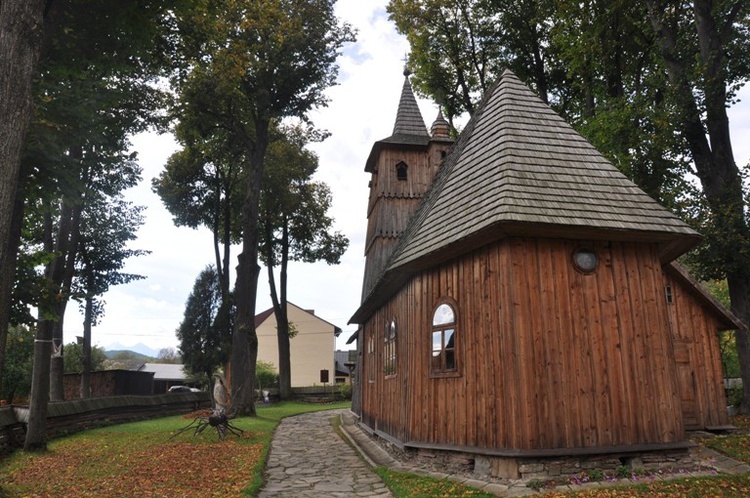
pixel 139 348
pixel 115 354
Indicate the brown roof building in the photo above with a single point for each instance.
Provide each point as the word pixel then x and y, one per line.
pixel 520 297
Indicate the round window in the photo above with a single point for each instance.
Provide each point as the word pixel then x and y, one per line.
pixel 585 260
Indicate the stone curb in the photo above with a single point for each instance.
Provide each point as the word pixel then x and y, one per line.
pixel 370 451
pixel 375 455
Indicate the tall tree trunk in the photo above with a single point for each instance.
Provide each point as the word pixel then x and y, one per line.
pixel 713 157
pixel 280 311
pixel 6 291
pixel 87 324
pixel 21 39
pixel 222 229
pixel 245 338
pixel 36 431
pixel 67 248
pixel 36 437
pixel 56 364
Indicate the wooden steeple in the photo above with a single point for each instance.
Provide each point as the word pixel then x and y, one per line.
pixel 402 168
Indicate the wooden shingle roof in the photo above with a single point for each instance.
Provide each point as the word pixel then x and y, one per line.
pixel 408 118
pixel 519 169
pixel 409 129
pixel 523 164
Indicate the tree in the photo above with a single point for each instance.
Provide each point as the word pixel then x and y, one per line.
pixel 21 37
pixel 295 226
pixel 249 63
pixel 593 61
pixel 75 358
pixel 649 84
pixel 202 185
pixel 168 355
pixel 93 88
pixel 704 49
pixel 266 375
pixel 459 47
pixel 86 73
pixel 107 226
pixel 124 360
pixel 454 56
pixel 203 345
pixel 16 380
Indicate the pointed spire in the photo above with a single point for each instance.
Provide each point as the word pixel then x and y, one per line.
pixel 440 128
pixel 408 119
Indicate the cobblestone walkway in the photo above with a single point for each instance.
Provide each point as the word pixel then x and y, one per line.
pixel 309 459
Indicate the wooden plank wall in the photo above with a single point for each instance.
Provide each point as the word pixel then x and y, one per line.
pixel 385 181
pixel 696 336
pixel 392 204
pixel 549 357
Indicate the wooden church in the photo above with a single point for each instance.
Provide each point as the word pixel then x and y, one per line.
pixel 521 298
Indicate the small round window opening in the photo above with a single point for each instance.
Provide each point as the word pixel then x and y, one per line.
pixel 585 260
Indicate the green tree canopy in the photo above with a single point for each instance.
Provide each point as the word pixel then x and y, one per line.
pixel 249 63
pixel 204 347
pixel 95 84
pixel 295 226
pixel 648 83
pixel 16 380
pixel 74 358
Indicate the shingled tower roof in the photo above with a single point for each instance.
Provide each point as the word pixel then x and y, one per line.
pixel 409 128
pixel 519 169
pixel 408 118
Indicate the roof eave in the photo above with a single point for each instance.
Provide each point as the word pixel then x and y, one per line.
pixel 404 142
pixel 729 320
pixel 671 245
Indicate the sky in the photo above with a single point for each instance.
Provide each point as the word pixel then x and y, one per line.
pixel 362 109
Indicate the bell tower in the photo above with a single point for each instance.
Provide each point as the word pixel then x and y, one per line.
pixel 402 168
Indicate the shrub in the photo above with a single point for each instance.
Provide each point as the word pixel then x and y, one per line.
pixel 623 471
pixel 344 392
pixel 266 375
pixel 595 474
pixel 535 484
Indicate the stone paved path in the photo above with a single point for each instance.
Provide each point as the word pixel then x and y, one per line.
pixel 309 459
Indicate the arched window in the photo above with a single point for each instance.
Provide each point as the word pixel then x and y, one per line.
pixel 389 356
pixel 370 356
pixel 444 358
pixel 401 172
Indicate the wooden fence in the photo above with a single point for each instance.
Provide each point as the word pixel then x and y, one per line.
pixel 65 417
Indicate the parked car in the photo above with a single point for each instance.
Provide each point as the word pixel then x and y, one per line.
pixel 184 389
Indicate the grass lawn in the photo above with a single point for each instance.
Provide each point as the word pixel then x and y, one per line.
pixel 405 485
pixel 140 459
pixel 735 445
pixel 698 487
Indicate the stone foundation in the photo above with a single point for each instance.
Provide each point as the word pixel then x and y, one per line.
pixel 527 469
pixel 552 468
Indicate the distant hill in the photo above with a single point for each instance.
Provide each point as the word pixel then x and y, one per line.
pixel 110 354
pixel 139 348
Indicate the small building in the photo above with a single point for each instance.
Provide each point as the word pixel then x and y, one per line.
pixel 110 383
pixel 166 375
pixel 311 349
pixel 343 365
pixel 521 299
